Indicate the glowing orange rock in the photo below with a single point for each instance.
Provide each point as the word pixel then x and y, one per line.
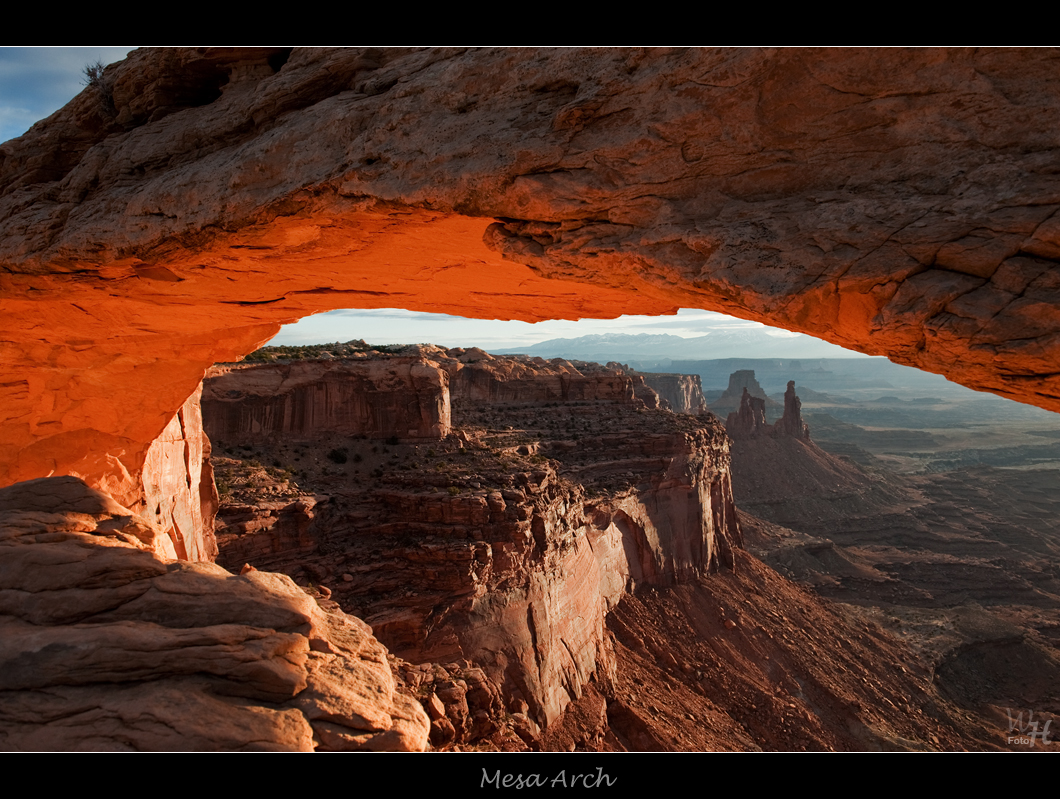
pixel 894 202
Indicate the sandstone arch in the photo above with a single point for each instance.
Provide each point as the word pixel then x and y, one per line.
pixel 895 202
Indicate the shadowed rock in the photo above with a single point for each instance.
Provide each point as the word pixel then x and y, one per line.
pixel 405 398
pixel 684 393
pixel 791 424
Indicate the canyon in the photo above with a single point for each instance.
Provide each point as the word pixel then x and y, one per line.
pixel 955 556
pixel 893 552
pixel 192 200
pixel 506 544
pixel 568 571
pixel 560 567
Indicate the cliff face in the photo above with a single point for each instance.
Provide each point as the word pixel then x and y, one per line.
pixel 400 397
pixel 684 393
pixel 174 215
pixel 179 495
pixel 507 542
pixel 476 376
pixel 895 202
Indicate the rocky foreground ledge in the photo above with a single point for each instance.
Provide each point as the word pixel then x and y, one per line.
pixel 106 645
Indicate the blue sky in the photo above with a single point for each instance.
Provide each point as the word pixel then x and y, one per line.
pixel 37 81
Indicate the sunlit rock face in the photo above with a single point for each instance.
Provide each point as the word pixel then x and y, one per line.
pixel 406 398
pixel 558 491
pixel 107 644
pixel 179 494
pixel 895 202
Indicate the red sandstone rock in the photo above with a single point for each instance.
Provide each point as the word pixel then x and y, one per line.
pixel 521 380
pixel 518 579
pixel 178 487
pixel 105 646
pixel 750 420
pixel 284 524
pixel 399 397
pixel 791 424
pixel 899 202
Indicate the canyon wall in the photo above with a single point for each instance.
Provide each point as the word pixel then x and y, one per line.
pixel 477 376
pixel 507 542
pixel 175 213
pixel 395 397
pixel 683 392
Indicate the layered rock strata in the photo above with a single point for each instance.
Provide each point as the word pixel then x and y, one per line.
pixel 105 645
pixel 478 377
pixel 186 204
pixel 684 393
pixel 507 542
pixel 179 495
pixel 383 398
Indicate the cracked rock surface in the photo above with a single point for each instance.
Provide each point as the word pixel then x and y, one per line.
pixel 103 645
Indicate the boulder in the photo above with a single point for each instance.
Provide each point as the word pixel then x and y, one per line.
pixel 105 645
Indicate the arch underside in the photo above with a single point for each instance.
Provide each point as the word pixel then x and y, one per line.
pixel 900 203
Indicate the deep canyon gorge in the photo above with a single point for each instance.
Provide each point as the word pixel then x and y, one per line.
pixel 192 200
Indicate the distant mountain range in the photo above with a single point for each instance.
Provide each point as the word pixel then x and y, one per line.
pixel 623 347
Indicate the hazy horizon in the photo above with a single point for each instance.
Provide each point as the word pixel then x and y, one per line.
pixel 398 326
